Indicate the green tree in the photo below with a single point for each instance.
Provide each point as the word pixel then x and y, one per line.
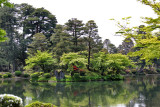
pixel 60 41
pixel 110 63
pixel 91 32
pixel 23 12
pixel 10 24
pixel 40 21
pixel 41 61
pixel 5 3
pixel 75 28
pixel 146 37
pixel 39 42
pixel 98 62
pixel 73 59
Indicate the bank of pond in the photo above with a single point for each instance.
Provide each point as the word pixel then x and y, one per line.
pixel 59 76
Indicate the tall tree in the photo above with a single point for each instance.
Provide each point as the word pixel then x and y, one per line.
pixel 91 31
pixel 24 11
pixel 40 21
pixel 75 28
pixel 9 24
pixel 60 41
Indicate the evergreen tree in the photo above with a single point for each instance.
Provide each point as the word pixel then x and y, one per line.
pixel 39 42
pixel 60 41
pixel 91 31
pixel 40 21
pixel 9 24
pixel 75 28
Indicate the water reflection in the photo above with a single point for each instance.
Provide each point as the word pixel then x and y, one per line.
pixel 133 92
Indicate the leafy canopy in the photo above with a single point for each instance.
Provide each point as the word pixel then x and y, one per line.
pixel 2 34
pixel 5 3
pixel 73 59
pixel 43 60
pixel 110 62
pixel 146 38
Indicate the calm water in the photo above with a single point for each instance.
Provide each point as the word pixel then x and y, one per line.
pixel 133 92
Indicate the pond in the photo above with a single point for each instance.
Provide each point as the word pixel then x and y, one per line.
pixel 132 92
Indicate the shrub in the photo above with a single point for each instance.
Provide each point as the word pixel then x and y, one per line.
pixel 47 75
pixel 41 73
pixel 35 75
pixel 40 104
pixel 123 73
pixel 8 100
pixel 18 73
pixel 5 76
pixel 93 74
pixel 42 79
pixel 76 77
pixel 62 80
pixel 9 75
pixel 53 79
pixel 69 79
pixel 1 75
pixel 84 78
pixel 26 75
pixel 158 70
pixel 134 71
pixel 115 77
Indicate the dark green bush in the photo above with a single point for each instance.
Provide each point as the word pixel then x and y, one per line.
pixel 40 104
pixel 9 75
pixel 158 70
pixel 62 80
pixel 76 77
pixel 69 79
pixel 47 75
pixel 1 75
pixel 18 73
pixel 26 75
pixel 5 76
pixel 35 75
pixel 84 78
pixel 92 74
pixel 115 77
pixel 95 78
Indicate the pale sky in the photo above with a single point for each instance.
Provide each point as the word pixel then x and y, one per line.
pixel 98 10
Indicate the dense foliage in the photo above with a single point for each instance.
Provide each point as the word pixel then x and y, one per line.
pixel 41 61
pixel 36 43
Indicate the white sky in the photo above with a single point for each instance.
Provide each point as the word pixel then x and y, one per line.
pixel 98 10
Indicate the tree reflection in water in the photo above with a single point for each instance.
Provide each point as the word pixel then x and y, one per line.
pixel 132 92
